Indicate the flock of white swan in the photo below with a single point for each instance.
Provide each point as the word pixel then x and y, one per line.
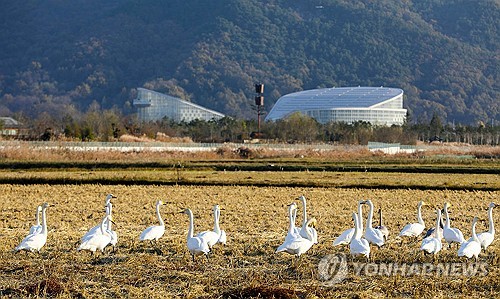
pixel 297 241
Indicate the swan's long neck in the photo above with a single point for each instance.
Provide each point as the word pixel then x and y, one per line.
pixel 216 220
pixel 38 210
pixel 109 208
pixel 103 224
pixel 474 235
pixel 490 218
pixel 308 231
pixel 419 215
pixel 292 220
pixel 437 234
pixel 159 216
pixel 44 221
pixel 191 225
pixel 447 222
pixel 109 224
pixel 370 215
pixel 360 216
pixel 357 231
pixel 304 213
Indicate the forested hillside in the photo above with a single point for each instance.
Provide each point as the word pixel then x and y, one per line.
pixel 59 57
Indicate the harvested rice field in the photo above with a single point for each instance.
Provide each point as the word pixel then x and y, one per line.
pixel 255 219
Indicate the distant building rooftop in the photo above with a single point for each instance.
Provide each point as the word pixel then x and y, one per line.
pixel 9 122
pixel 377 105
pixel 152 105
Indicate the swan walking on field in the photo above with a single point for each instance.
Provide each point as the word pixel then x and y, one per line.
pixel 346 236
pixel 414 229
pixel 97 229
pixel 372 235
pixel 432 244
pixel 472 247
pixel 98 241
pixel 358 245
pixel 35 241
pixel 313 234
pixel 296 244
pixel 451 234
pixel 154 232
pixel 195 245
pixel 486 238
pixel 216 235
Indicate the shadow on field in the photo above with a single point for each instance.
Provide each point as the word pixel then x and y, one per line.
pixel 264 292
pixel 106 260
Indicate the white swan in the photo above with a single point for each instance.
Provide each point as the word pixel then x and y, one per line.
pixel 346 236
pixel 109 229
pixel 97 229
pixel 472 247
pixel 486 238
pixel 432 244
pixel 431 232
pixel 451 234
pixel 213 236
pixel 358 245
pixel 414 229
pixel 98 241
pixel 372 235
pixel 154 232
pixel 304 227
pixel 297 245
pixel 195 245
pixel 34 229
pixel 35 241
pixel 381 227
pixel 222 236
pixel 293 232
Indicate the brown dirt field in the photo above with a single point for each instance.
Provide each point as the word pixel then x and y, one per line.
pixel 255 219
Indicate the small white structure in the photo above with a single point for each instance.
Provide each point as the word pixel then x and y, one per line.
pixel 391 148
pixel 9 126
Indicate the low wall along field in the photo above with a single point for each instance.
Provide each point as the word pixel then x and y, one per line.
pixel 256 222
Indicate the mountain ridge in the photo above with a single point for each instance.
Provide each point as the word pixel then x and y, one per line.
pixel 61 57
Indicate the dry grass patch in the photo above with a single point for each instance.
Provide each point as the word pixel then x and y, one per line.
pixel 255 220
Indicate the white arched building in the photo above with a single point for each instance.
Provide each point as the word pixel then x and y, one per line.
pixel 377 105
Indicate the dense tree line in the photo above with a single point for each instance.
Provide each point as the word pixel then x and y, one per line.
pixel 58 56
pixel 98 124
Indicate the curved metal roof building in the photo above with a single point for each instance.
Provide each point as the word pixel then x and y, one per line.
pixel 377 105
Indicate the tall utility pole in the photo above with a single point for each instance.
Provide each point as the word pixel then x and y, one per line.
pixel 259 101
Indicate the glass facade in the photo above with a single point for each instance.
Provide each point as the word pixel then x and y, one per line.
pixel 377 105
pixel 152 105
